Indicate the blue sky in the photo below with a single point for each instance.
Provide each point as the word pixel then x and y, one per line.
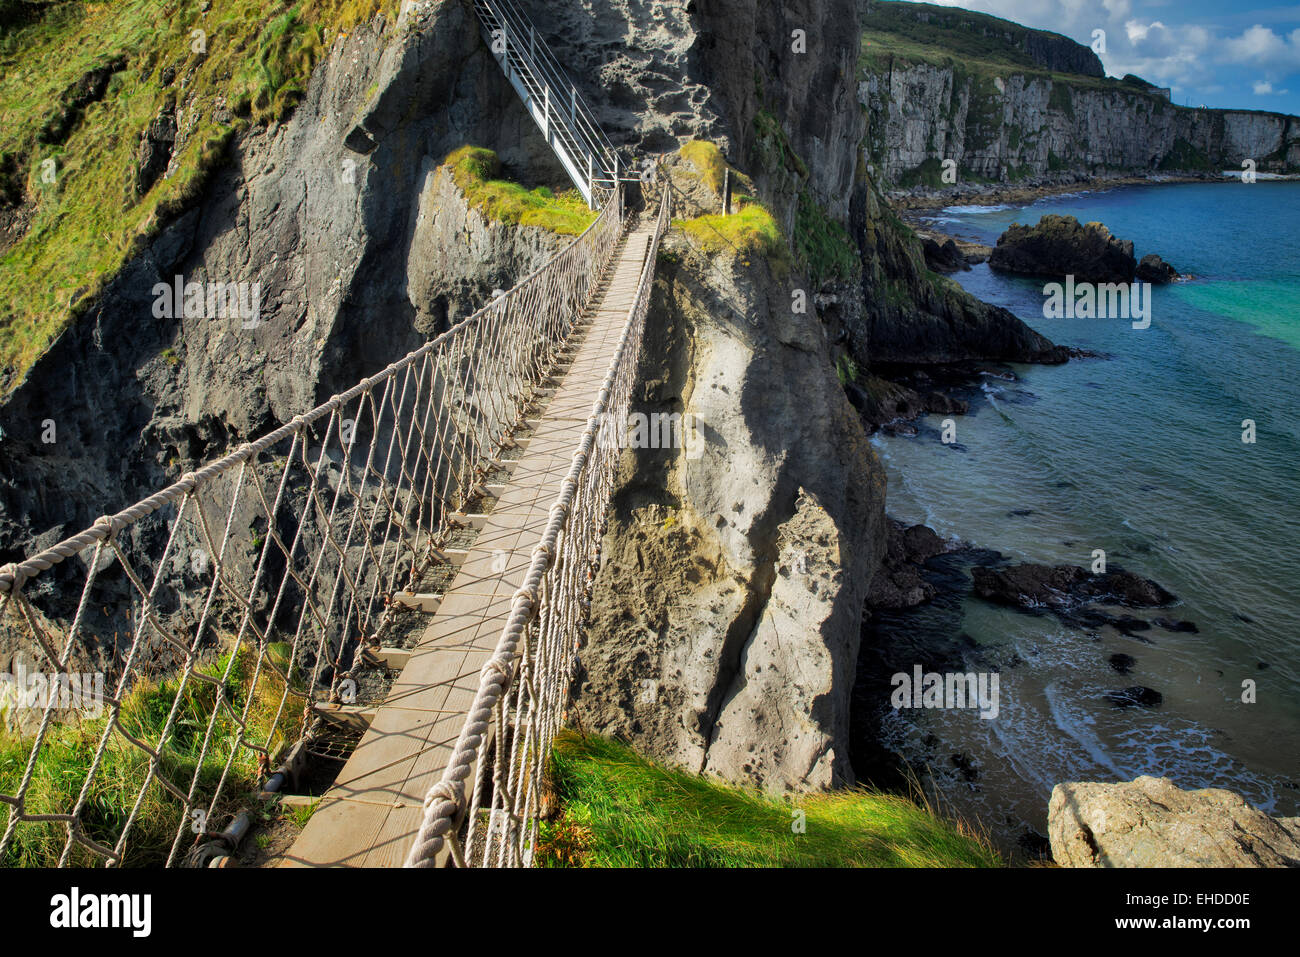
pixel 1244 54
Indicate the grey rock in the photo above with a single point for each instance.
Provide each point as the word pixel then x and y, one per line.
pixel 1135 696
pixel 898 583
pixel 945 257
pixel 155 151
pixel 1150 822
pixel 736 655
pixel 1028 585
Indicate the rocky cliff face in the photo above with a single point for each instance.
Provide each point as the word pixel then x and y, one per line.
pixel 1015 125
pixel 724 622
pixel 1151 822
pixel 910 315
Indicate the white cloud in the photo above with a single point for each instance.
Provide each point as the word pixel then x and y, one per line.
pixel 1257 43
pixel 1137 31
pixel 1263 87
pixel 1181 55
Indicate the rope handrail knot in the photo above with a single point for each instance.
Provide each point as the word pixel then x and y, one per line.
pixel 444 790
pixel 500 667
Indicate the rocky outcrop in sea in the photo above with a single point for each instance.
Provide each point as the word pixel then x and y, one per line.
pixel 1058 246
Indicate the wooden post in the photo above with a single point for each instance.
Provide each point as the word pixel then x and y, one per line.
pixel 726 191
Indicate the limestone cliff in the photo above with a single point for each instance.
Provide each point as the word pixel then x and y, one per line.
pixel 1002 117
pixel 726 618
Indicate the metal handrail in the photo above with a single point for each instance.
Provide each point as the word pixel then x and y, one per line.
pixel 565 119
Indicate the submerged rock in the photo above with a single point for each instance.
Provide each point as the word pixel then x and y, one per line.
pixel 1176 624
pixel 1150 822
pixel 1059 246
pixel 1136 695
pixel 1121 662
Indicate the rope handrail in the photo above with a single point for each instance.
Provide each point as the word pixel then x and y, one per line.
pixel 234 603
pixel 545 613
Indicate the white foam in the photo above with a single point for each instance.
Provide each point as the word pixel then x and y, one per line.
pixel 1076 728
pixel 975 210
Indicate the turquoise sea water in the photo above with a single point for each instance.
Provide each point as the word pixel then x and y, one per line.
pixel 1139 454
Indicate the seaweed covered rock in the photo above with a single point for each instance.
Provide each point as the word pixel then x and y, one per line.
pixel 1032 586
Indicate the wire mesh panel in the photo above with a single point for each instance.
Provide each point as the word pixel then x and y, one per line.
pixel 227 605
pixel 506 738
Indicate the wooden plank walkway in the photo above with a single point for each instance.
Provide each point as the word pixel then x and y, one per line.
pixel 371 814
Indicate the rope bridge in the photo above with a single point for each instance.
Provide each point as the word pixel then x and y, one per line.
pixel 520 698
pixel 237 606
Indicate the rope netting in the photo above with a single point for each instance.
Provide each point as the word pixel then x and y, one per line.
pixel 505 741
pixel 225 610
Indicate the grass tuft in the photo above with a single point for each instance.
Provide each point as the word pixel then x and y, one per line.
pixel 751 231
pixel 477 172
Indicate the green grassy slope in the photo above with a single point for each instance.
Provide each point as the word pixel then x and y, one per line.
pixel 620 810
pixel 976 42
pixel 69 147
pixel 964 34
pixel 68 751
pixel 477 172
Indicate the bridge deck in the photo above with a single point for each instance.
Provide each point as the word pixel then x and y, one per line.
pixel 371 814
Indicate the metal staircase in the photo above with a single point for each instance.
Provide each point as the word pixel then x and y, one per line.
pixel 566 121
